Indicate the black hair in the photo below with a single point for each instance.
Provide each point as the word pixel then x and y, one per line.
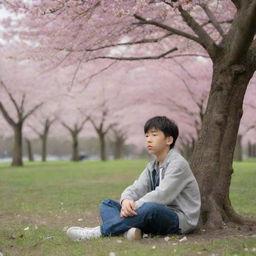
pixel 166 125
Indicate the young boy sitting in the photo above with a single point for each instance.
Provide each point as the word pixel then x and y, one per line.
pixel 165 199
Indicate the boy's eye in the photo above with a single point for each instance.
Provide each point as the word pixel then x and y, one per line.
pixel 154 134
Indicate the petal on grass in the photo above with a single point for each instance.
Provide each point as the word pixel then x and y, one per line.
pixel 183 239
pixel 167 238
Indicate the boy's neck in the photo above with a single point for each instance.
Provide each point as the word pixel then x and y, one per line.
pixel 161 157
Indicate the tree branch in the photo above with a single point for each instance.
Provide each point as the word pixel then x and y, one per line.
pixel 11 97
pixel 143 41
pixel 168 28
pixel 35 130
pixel 6 115
pixel 82 124
pixel 242 32
pixel 30 112
pixel 237 3
pixel 21 109
pixel 89 79
pixel 204 39
pixel 187 55
pixel 212 18
pixel 93 123
pixel 137 58
pixel 67 127
pixel 219 22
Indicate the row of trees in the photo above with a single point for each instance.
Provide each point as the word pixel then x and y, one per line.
pixel 105 107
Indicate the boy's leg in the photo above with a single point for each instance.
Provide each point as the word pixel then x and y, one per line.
pixel 159 219
pixel 109 209
pixel 151 218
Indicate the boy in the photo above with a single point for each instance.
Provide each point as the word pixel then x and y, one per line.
pixel 164 200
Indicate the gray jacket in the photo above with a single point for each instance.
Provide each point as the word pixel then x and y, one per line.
pixel 178 189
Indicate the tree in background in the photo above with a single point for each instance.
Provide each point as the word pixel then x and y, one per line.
pixel 43 135
pixel 17 125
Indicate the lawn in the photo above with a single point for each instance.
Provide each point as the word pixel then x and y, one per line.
pixel 40 200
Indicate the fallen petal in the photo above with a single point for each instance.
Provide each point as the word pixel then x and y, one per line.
pixel 65 229
pixel 167 238
pixel 183 239
pixel 26 228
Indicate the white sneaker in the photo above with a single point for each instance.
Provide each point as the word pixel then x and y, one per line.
pixel 77 233
pixel 133 234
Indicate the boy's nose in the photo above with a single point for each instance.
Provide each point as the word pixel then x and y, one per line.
pixel 148 139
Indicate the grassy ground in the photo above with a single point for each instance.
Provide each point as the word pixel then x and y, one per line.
pixel 39 200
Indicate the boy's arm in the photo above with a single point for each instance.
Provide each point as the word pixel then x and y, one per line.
pixel 176 178
pixel 138 189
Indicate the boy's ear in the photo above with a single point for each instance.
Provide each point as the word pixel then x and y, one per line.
pixel 169 140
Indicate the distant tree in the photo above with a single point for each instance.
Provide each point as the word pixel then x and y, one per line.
pixel 17 125
pixel 43 135
pixel 74 132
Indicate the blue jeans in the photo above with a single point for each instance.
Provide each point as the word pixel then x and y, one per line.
pixel 151 218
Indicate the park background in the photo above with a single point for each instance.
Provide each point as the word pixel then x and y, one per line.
pixel 78 80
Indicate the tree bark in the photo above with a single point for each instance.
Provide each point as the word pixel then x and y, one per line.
pixel 238 155
pixel 17 147
pixel 75 149
pixel 30 151
pixel 103 156
pixel 44 147
pixel 118 147
pixel 213 154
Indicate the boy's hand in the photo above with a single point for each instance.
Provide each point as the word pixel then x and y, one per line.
pixel 128 208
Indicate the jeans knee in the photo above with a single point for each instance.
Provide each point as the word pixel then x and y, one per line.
pixel 106 201
pixel 109 202
pixel 149 208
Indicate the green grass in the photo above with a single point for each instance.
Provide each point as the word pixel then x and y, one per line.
pixel 46 197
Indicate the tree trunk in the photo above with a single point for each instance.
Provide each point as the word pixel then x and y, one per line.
pixel 17 147
pixel 238 156
pixel 30 151
pixel 187 149
pixel 213 154
pixel 44 147
pixel 254 150
pixel 118 147
pixel 75 150
pixel 102 147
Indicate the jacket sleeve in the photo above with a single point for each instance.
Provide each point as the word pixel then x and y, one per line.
pixel 138 189
pixel 175 179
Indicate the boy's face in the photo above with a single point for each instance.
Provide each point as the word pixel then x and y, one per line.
pixel 156 142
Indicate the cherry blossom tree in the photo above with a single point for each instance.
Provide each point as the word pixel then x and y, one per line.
pixel 118 140
pixel 17 124
pixel 45 123
pixel 74 132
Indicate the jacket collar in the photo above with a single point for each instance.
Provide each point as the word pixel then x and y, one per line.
pixel 170 156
